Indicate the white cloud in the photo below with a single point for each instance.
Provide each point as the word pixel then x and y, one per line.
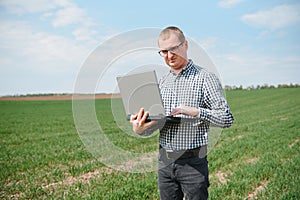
pixel 250 68
pixel 22 7
pixel 209 42
pixel 229 3
pixel 83 34
pixel 45 52
pixel 275 18
pixel 37 61
pixel 70 15
pixel 59 13
pixel 38 50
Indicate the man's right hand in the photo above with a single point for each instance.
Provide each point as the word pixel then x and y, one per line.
pixel 139 124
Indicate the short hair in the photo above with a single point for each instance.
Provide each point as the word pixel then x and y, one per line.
pixel 166 32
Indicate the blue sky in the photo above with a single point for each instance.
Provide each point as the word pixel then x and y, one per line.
pixel 44 43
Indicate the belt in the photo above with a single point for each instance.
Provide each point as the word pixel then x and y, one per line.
pixel 184 154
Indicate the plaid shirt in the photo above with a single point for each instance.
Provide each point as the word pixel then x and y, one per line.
pixel 194 87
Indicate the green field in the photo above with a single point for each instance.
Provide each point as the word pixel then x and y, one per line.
pixel 42 156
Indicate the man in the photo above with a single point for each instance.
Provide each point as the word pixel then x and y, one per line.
pixel 188 91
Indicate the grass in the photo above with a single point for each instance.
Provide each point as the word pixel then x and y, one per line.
pixel 42 156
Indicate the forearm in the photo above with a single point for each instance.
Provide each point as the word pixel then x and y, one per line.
pixel 221 118
pixel 215 108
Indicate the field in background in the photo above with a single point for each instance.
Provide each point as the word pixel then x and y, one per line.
pixel 42 156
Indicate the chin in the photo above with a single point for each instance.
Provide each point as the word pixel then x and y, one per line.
pixel 171 63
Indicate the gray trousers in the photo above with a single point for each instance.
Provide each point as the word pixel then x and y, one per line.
pixel 183 178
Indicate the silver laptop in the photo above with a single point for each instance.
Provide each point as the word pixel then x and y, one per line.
pixel 141 90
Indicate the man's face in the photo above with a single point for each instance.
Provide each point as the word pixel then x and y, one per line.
pixel 174 52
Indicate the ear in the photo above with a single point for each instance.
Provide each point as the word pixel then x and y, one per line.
pixel 186 44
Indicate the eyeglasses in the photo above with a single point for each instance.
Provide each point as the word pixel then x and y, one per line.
pixel 164 53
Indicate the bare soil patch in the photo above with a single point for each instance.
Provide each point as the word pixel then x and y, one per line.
pixel 84 178
pixel 221 177
pixel 291 145
pixel 260 188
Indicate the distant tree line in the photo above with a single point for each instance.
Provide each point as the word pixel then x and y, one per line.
pixel 265 86
pixel 42 94
pixel 226 87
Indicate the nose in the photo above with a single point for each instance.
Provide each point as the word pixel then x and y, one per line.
pixel 170 54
